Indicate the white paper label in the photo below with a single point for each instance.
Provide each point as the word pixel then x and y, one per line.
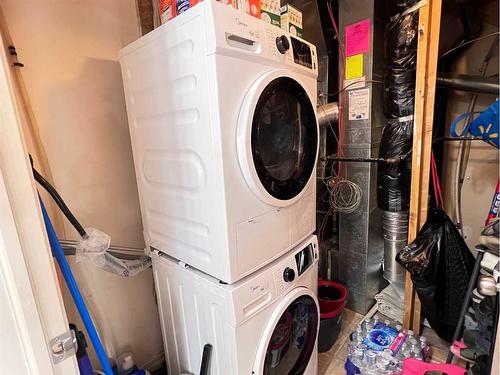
pixel 355 83
pixel 359 104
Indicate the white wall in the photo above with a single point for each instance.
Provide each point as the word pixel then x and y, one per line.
pixel 70 49
pixel 482 170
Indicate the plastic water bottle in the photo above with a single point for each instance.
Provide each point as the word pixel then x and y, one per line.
pixel 424 347
pixel 387 353
pixel 370 359
pixel 125 365
pixel 359 334
pixel 357 338
pixel 382 366
pixel 369 326
pixel 423 341
pixel 366 323
pixel 359 354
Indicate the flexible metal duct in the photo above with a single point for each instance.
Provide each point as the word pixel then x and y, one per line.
pixel 328 114
pixel 395 228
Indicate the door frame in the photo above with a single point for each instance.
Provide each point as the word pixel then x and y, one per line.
pixel 244 137
pixel 291 296
pixel 41 315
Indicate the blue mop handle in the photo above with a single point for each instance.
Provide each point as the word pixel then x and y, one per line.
pixel 58 253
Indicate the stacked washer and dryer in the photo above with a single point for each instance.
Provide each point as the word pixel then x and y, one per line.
pixel 221 108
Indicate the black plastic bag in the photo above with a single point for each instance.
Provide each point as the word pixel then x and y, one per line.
pixel 440 265
pixel 401 60
pixel 399 92
pixel 406 3
pixel 393 180
pixel 401 40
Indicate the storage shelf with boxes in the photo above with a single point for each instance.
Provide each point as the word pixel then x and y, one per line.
pixel 287 17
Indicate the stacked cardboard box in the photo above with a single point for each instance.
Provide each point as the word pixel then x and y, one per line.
pixel 270 12
pixel 287 17
pixel 291 20
pixel 169 9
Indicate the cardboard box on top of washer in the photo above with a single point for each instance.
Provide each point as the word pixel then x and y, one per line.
pixel 169 9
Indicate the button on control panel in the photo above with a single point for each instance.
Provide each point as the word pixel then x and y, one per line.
pixel 282 44
pixel 284 274
pixel 288 274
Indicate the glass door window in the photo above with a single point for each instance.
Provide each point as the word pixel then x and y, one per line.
pixel 293 339
pixel 284 138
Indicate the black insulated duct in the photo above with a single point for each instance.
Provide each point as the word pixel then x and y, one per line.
pixel 464 82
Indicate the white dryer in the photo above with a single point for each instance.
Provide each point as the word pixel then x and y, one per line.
pixel 265 324
pixel 221 107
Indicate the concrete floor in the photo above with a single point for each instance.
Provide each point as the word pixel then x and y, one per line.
pixel 332 362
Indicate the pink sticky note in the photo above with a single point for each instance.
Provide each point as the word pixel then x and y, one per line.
pixel 357 38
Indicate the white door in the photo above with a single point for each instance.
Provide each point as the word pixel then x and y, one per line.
pixel 31 305
pixel 288 345
pixel 277 138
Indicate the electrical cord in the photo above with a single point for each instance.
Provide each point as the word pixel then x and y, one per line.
pixel 467 43
pixel 59 201
pixel 354 83
pixel 345 195
pixel 465 147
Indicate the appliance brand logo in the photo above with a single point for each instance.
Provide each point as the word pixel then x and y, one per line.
pixel 240 22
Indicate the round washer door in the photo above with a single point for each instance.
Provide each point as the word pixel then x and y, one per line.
pixel 277 138
pixel 290 336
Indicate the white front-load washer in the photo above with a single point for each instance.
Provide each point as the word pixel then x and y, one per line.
pixel 265 324
pixel 221 108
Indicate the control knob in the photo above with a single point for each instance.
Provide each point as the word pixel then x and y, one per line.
pixel 282 44
pixel 288 274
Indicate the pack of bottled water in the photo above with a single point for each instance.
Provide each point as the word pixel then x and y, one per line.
pixel 379 348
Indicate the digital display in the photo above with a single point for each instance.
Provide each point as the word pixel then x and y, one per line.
pixel 301 53
pixel 304 259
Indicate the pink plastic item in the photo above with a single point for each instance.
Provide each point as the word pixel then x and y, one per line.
pixel 412 366
pixel 459 344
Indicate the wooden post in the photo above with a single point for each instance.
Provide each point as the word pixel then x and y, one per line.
pixel 425 89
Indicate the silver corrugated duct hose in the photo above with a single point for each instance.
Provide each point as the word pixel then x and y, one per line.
pixel 327 117
pixel 328 114
pixel 395 227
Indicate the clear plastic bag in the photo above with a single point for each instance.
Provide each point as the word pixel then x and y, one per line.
pixel 96 243
pixel 95 247
pixel 121 266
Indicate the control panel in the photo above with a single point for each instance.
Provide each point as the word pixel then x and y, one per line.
pixel 293 267
pixel 242 33
pixel 304 259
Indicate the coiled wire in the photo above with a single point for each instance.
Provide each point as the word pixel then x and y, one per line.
pixel 345 195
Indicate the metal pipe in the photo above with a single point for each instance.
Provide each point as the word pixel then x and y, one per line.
pixel 463 82
pixel 328 114
pixel 393 160
pixel 69 247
